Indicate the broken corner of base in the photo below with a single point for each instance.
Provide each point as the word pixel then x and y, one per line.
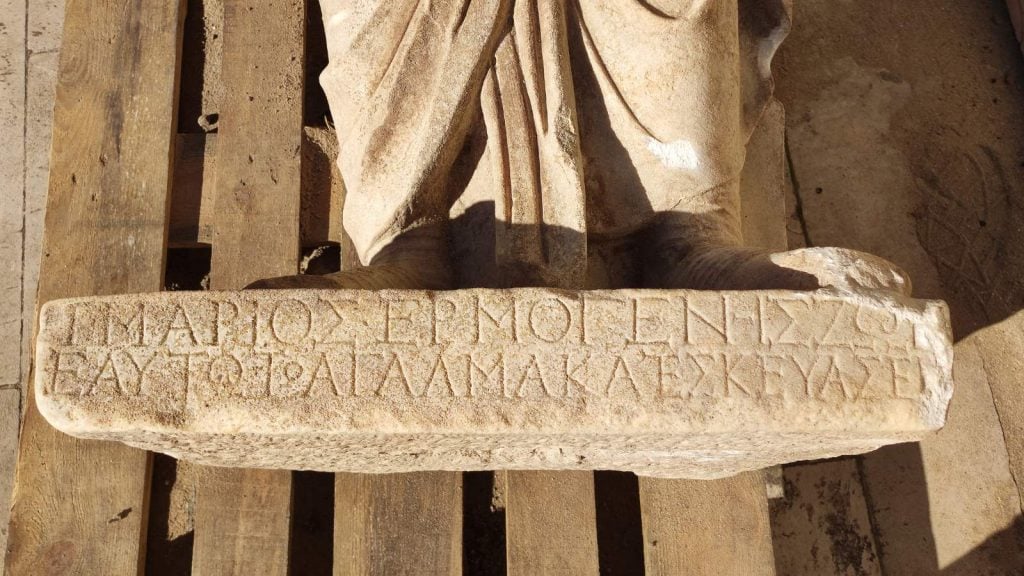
pixel 665 383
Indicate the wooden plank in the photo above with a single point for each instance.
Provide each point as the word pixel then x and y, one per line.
pixel 394 523
pixel 822 526
pixel 682 533
pixel 551 523
pixel 241 519
pixel 398 524
pixel 192 196
pixel 383 524
pixel 764 182
pixel 242 516
pixel 80 507
pixel 195 176
pixel 256 231
pixel 763 188
pixel 703 528
pixel 550 518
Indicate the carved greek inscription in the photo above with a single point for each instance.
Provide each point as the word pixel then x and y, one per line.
pixel 503 346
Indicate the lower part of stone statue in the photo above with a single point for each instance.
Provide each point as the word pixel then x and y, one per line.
pixel 671 383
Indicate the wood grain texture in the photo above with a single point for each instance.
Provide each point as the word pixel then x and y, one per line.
pixel 259 143
pixel 707 528
pixel 679 537
pixel 393 523
pixel 241 521
pixel 243 516
pixel 551 523
pixel 398 524
pixel 550 518
pixel 195 175
pixel 822 526
pixel 194 182
pixel 80 507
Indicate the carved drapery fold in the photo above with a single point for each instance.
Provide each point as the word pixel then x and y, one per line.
pixel 599 114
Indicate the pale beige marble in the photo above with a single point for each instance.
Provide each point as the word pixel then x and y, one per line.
pixel 689 384
pixel 577 130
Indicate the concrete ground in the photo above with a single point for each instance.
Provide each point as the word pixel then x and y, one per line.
pixel 30 33
pixel 906 139
pixel 905 128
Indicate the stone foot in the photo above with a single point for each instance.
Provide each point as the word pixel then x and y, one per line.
pixel 738 268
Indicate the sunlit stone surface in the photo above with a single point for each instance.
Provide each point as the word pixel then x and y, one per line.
pixel 661 382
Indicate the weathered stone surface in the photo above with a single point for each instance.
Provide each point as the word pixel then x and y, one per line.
pixel 667 383
pixel 13 58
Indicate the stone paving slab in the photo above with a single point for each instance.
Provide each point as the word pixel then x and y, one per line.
pixel 10 409
pixel 12 239
pixel 664 383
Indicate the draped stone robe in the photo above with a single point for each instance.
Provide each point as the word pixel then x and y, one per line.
pixel 598 115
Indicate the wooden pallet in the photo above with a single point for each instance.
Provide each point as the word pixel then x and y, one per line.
pixel 118 166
